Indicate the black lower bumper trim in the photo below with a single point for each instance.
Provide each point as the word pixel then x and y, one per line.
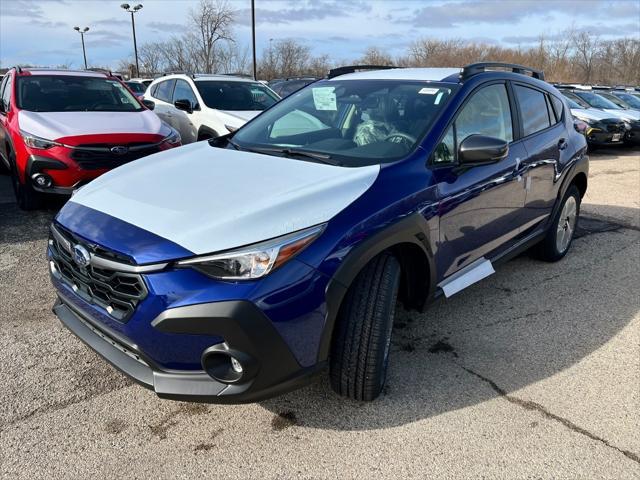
pixel 272 379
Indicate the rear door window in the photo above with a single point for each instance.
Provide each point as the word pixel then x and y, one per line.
pixel 6 93
pixel 164 91
pixel 533 109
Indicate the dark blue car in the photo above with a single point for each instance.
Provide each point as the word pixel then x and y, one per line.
pixel 237 269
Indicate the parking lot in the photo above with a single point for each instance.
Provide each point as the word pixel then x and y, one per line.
pixel 532 373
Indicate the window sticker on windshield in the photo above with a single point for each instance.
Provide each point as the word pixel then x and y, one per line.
pixel 428 91
pixel 438 98
pixel 324 98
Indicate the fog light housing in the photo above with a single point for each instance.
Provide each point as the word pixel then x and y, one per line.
pixel 227 365
pixel 42 180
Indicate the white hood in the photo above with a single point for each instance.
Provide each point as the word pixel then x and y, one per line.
pixel 592 114
pixel 237 118
pixel 623 114
pixel 208 199
pixel 55 125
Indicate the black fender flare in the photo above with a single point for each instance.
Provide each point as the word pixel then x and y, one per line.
pixel 410 230
pixel 204 130
pixel 580 166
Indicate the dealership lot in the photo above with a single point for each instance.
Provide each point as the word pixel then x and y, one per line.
pixel 534 372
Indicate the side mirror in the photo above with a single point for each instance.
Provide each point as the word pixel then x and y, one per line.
pixel 481 149
pixel 184 105
pixel 149 104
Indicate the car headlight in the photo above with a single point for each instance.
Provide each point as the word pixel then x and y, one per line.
pixel 173 138
pixel 253 261
pixel 627 125
pixel 33 141
pixel 231 128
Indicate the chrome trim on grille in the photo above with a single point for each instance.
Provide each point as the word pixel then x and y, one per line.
pixel 105 263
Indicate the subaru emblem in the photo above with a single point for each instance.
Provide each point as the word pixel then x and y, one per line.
pixel 119 150
pixel 81 256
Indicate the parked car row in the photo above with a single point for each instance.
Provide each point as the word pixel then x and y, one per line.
pixel 611 115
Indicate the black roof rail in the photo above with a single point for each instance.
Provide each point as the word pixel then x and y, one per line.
pixel 475 68
pixel 335 72
pixel 101 70
pixel 18 68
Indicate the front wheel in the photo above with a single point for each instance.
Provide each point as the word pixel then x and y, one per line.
pixel 559 237
pixel 26 197
pixel 362 338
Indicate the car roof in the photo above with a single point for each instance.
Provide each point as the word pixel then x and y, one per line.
pixel 207 77
pixel 430 74
pixel 74 73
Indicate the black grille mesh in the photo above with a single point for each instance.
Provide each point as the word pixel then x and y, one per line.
pixel 117 292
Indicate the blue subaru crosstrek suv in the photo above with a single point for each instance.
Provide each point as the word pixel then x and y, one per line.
pixel 235 269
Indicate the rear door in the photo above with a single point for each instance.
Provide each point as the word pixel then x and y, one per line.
pixel 162 94
pixel 480 206
pixel 546 141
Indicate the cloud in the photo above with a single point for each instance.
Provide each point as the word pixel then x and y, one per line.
pixel 21 8
pixel 48 24
pixel 456 13
pixel 310 10
pixel 112 22
pixel 599 29
pixel 166 27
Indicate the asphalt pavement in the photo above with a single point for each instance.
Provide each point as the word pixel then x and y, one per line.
pixel 531 373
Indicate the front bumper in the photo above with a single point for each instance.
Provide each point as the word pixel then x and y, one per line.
pixel 240 323
pixel 599 138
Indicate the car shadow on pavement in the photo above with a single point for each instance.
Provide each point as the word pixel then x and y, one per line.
pixel 19 226
pixel 529 321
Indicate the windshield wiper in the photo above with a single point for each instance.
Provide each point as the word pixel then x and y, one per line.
pixel 290 152
pixel 321 157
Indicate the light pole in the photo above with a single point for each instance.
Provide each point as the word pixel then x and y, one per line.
pixel 127 8
pixel 253 38
pixel 84 52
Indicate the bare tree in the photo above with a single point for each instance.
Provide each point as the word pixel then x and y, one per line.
pixel 375 56
pixel 212 23
pixel 586 51
pixel 151 58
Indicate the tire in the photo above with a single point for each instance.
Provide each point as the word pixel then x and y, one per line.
pixel 362 336
pixel 559 237
pixel 26 197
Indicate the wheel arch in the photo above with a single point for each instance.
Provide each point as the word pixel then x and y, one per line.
pixel 408 241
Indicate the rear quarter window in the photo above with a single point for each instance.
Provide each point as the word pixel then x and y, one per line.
pixel 533 109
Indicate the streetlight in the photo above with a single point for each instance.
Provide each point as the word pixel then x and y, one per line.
pixel 127 8
pixel 84 52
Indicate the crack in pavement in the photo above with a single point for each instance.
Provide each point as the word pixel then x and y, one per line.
pixel 530 405
pixel 57 406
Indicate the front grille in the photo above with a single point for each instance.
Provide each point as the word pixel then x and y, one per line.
pixel 616 128
pixel 99 155
pixel 119 293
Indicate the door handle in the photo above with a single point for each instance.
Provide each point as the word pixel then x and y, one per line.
pixel 562 144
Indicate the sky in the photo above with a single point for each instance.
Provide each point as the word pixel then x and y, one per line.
pixel 40 32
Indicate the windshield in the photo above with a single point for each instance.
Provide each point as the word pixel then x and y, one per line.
pixel 629 99
pixel 597 101
pixel 234 95
pixel 572 103
pixel 61 93
pixel 575 99
pixel 359 122
pixel 136 87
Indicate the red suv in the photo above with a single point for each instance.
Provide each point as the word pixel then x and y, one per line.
pixel 59 129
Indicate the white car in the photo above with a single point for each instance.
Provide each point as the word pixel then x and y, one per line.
pixel 201 107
